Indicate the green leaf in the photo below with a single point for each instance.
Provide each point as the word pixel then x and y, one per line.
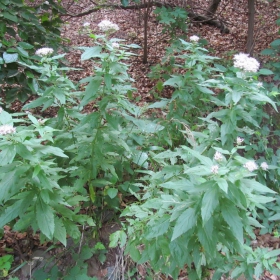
pixel 275 43
pixel 231 217
pixel 91 52
pixel 59 231
pixel 222 183
pixel 175 81
pixel 117 238
pixel 10 16
pixel 272 254
pixel 10 57
pixel 51 150
pixel 35 103
pixel 7 155
pixel 91 90
pixel 25 46
pixel 125 2
pixel 16 209
pixel 45 218
pixel 112 192
pixel 22 52
pixel 265 72
pixel 209 203
pixel 186 221
pixel 204 160
pixel 6 185
pixel 256 186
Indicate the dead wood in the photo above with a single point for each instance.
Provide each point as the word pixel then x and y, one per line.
pixel 196 18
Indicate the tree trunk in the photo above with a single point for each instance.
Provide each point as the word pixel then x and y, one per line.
pixel 212 8
pixel 251 23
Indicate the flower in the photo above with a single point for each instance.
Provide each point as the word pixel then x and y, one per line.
pixel 218 156
pixel 115 45
pixel 1 110
pixel 246 63
pixel 86 24
pixel 44 51
pixel 7 129
pixel 259 84
pixel 194 38
pixel 106 25
pixel 215 169
pixel 239 140
pixel 251 165
pixel 47 2
pixel 264 166
pixel 41 122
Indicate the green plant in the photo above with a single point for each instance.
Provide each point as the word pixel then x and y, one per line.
pixel 5 264
pixel 22 29
pixel 172 20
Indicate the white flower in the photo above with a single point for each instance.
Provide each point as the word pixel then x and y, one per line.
pixel 106 25
pixel 1 110
pixel 115 45
pixel 86 24
pixel 44 51
pixel 47 2
pixel 251 165
pixel 259 84
pixel 215 169
pixel 7 129
pixel 194 38
pixel 264 166
pixel 246 63
pixel 239 140
pixel 41 122
pixel 218 156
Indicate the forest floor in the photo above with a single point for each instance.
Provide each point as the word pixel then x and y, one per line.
pixel 130 22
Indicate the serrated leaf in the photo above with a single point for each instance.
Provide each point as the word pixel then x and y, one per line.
pixel 45 218
pixel 231 217
pixel 175 81
pixel 91 90
pixel 91 52
pixel 59 231
pixel 184 223
pixel 209 203
pixel 256 186
pixel 7 155
pixel 222 183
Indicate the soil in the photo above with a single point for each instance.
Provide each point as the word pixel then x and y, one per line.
pixel 235 13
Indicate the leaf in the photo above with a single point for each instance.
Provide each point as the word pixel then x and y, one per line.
pixel 10 57
pixel 16 209
pixel 209 203
pixel 45 218
pixel 7 155
pixel 10 17
pixel 140 158
pixel 222 183
pixel 175 81
pixel 159 227
pixel 204 160
pixel 6 184
pixel 272 254
pixel 160 104
pixel 205 90
pixel 116 238
pixel 256 186
pixel 265 72
pixel 59 231
pixel 91 52
pixel 91 90
pixel 25 46
pixel 112 192
pixel 231 217
pixel 51 150
pixel 186 221
pixel 275 43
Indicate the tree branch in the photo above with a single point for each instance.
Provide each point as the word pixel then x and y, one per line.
pixel 193 16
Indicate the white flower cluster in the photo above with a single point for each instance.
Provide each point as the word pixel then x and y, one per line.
pixel 264 166
pixel 44 51
pixel 246 63
pixel 86 24
pixel 41 122
pixel 115 45
pixel 239 140
pixel 7 129
pixel 106 25
pixel 218 156
pixel 259 84
pixel 251 165
pixel 215 169
pixel 47 2
pixel 194 38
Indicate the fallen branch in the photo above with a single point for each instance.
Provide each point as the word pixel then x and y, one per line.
pixel 193 16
